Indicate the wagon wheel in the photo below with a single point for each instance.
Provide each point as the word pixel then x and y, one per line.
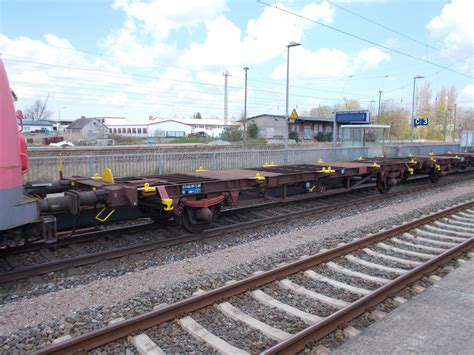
pixel 190 223
pixel 382 185
pixel 434 175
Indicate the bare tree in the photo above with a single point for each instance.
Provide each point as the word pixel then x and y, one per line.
pixel 38 110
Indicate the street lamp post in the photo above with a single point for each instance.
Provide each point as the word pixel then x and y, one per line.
pixel 378 114
pixel 412 123
pixel 291 44
pixel 245 109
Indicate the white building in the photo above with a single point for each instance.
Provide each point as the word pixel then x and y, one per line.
pixel 123 127
pixel 169 129
pixel 165 127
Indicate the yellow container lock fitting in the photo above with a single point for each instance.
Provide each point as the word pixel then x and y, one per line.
pixel 148 189
pixel 457 157
pixel 108 176
pixel 327 170
pixel 412 161
pixel 375 165
pixel 266 164
pixel 97 176
pixel 320 161
pixel 200 169
pixel 449 152
pixel 438 167
pixel 411 171
pixel 360 158
pixel 168 204
pixel 259 177
pixel 430 153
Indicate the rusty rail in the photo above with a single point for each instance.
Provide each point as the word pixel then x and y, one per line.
pixel 296 342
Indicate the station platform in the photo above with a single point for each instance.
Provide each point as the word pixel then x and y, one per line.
pixel 440 320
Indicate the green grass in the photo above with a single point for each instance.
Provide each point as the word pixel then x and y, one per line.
pixel 192 140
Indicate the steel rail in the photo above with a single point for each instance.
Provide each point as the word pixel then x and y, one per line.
pixel 110 333
pixel 86 259
pixel 103 233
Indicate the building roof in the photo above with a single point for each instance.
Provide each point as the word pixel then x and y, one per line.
pixel 299 119
pixel 80 123
pixel 37 123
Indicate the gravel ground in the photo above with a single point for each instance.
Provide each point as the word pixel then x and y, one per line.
pixel 74 309
pixel 303 303
pixel 245 338
pixel 72 278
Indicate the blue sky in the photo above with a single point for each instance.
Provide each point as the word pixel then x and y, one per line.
pixel 166 58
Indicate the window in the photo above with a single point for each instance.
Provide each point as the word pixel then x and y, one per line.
pixel 144 130
pixel 110 130
pixel 139 130
pixel 134 130
pixel 129 130
pixel 119 130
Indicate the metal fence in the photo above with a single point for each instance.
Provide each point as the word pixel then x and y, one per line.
pixel 422 149
pixel 45 168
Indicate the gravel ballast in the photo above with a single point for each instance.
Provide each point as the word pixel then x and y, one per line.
pixel 176 280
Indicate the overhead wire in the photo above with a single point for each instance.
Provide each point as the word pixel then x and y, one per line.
pixel 363 39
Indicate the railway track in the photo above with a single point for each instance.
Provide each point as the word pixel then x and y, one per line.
pixel 97 246
pixel 291 307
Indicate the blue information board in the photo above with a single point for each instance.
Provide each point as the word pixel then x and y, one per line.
pixel 361 116
pixel 420 122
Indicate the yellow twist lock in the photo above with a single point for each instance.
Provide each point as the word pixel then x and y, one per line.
pixel 437 167
pixel 360 158
pixel 259 177
pixel 97 176
pixel 430 153
pixel 167 203
pixel 375 165
pixel 320 161
pixel 457 157
pixel 327 170
pixel 200 169
pixel 411 171
pixel 267 164
pixel 147 188
pixel 412 161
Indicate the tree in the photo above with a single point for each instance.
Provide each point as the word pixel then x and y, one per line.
pixel 397 117
pixel 323 111
pixel 197 115
pixel 38 110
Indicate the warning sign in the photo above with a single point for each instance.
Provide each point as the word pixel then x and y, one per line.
pixel 293 115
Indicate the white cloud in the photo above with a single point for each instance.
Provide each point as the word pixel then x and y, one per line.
pixel 323 62
pixel 329 63
pixel 142 40
pixel 370 58
pixel 263 39
pixel 468 91
pixel 455 27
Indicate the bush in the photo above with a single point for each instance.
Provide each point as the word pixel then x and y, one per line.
pixel 232 134
pixel 252 130
pixel 293 135
pixel 324 137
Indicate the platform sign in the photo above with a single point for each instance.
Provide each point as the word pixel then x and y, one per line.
pixel 420 122
pixel 294 115
pixel 353 116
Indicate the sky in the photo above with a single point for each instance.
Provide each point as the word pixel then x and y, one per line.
pixel 135 58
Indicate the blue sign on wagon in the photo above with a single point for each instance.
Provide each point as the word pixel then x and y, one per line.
pixel 420 122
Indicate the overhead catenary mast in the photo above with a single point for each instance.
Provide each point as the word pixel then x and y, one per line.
pixel 226 100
